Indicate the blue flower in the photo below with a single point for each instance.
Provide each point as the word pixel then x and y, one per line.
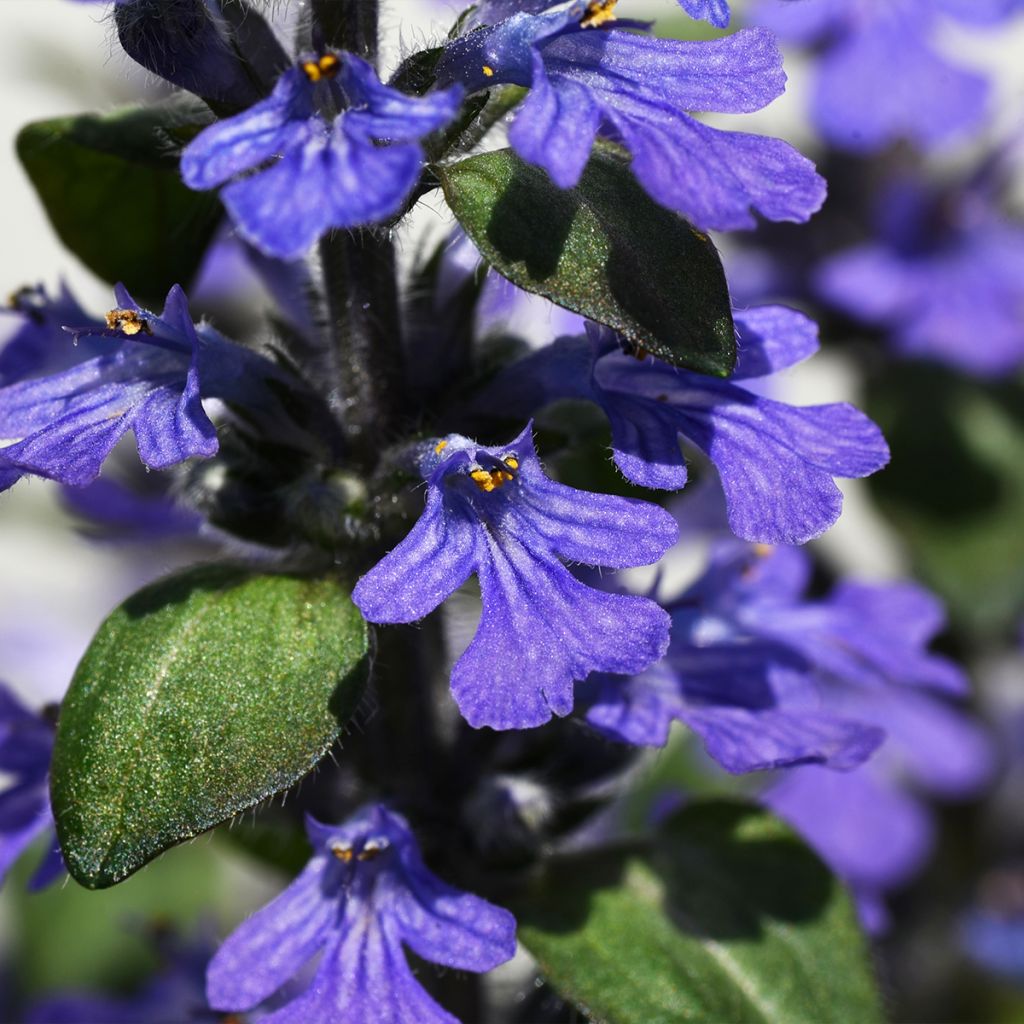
pixel 879 76
pixel 944 277
pixel 588 78
pixel 776 462
pixel 768 678
pixel 493 512
pixel 363 896
pixel 150 379
pixel 34 339
pixel 324 171
pixel 26 743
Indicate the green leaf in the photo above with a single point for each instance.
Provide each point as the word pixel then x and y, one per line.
pixel 729 918
pixel 111 188
pixel 604 249
pixel 955 488
pixel 199 697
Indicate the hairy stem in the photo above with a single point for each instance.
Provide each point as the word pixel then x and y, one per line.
pixel 365 334
pixel 348 25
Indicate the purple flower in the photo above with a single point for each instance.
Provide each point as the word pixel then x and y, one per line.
pixel 26 743
pixel 758 671
pixel 326 171
pixel 776 462
pixel 363 896
pixel 493 512
pixel 587 77
pixel 35 342
pixel 945 278
pixel 880 77
pixel 150 378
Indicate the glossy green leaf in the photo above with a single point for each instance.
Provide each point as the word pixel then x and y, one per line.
pixel 955 488
pixel 199 697
pixel 111 188
pixel 729 917
pixel 604 249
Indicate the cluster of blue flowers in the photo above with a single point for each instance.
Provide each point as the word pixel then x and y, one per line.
pixel 838 695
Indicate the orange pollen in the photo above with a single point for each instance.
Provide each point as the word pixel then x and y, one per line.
pixel 128 322
pixel 343 852
pixel 599 12
pixel 763 550
pixel 490 480
pixel 326 66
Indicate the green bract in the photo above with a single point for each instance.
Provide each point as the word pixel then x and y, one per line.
pixel 111 188
pixel 729 918
pixel 604 249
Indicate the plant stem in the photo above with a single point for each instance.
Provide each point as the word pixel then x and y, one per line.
pixel 348 25
pixel 365 334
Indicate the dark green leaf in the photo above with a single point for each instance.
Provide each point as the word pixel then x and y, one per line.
pixel 730 918
pixel 955 488
pixel 111 188
pixel 200 696
pixel 604 249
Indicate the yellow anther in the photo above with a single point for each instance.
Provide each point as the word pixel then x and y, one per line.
pixel 763 550
pixel 326 66
pixel 511 461
pixel 488 71
pixel 440 447
pixel 128 322
pixel 373 849
pixel 490 480
pixel 599 12
pixel 343 851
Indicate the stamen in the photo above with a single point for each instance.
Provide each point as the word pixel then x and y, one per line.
pixel 343 851
pixel 372 849
pixel 599 12
pixel 326 66
pixel 488 71
pixel 490 480
pixel 763 550
pixel 128 322
pixel 440 447
pixel 511 461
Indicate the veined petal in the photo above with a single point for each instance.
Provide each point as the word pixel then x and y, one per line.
pixel 746 741
pixel 273 944
pixel 715 178
pixel 338 182
pixel 555 128
pixel 433 561
pixel 738 73
pixel 384 113
pixel 540 630
pixel 595 529
pixel 714 11
pixel 272 127
pixel 447 926
pixel 772 338
pixel 363 976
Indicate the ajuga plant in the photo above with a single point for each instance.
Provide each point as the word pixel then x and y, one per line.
pixel 456 755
